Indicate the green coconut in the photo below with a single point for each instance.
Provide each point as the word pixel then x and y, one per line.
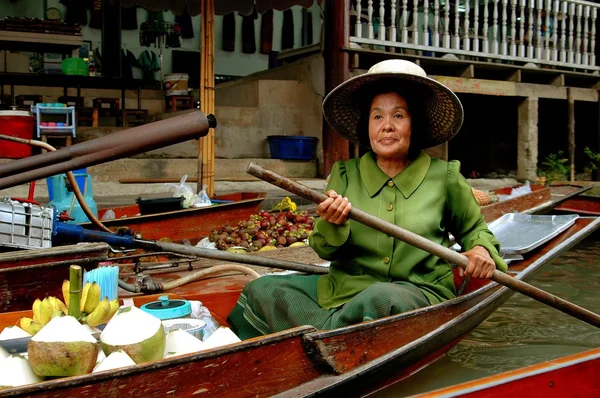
pixel 62 348
pixel 136 332
pixel 15 371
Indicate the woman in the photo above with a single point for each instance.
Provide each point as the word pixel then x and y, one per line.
pixel 396 111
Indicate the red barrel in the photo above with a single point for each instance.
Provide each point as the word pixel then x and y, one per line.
pixel 16 124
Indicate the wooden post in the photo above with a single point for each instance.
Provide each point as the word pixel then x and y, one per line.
pixel 596 174
pixel 527 152
pixel 206 147
pixel 571 118
pixel 337 70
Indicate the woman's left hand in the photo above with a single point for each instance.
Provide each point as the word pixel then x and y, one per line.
pixel 480 264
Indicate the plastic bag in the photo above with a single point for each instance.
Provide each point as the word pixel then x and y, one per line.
pixel 201 312
pixel 108 215
pixel 515 192
pixel 185 191
pixel 205 243
pixel 202 198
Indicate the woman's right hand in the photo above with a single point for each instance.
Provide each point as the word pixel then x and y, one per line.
pixel 334 209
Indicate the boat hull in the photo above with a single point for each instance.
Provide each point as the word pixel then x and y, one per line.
pixel 304 361
pixel 188 224
pixel 585 205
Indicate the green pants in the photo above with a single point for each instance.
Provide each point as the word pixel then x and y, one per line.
pixel 273 303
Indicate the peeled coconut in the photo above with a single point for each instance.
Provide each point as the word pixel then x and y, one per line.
pixel 15 371
pixel 62 348
pixel 13 332
pixel 180 342
pixel 3 354
pixel 117 359
pixel 221 336
pixel 136 332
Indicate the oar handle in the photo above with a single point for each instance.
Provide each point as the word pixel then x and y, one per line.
pixel 427 245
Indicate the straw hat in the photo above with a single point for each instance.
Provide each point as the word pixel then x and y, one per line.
pixel 442 112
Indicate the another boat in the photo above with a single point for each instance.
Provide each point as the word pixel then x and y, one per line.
pixel 583 204
pixel 570 376
pixel 187 224
pixel 540 200
pixel 304 361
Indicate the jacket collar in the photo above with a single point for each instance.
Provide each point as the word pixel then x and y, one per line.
pixel 407 181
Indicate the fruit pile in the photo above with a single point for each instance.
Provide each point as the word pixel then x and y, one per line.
pixel 94 310
pixel 265 231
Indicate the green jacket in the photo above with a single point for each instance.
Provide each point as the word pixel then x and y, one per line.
pixel 429 197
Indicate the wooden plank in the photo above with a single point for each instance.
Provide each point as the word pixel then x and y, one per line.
pixel 478 86
pixel 571 127
pixel 41 38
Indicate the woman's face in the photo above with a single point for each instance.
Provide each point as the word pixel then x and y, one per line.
pixel 389 126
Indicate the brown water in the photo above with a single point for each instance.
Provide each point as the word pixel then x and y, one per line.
pixel 522 332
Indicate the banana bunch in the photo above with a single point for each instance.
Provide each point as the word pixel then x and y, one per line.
pixel 43 311
pixel 286 204
pixel 95 310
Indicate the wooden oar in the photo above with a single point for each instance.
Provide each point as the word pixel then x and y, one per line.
pixel 427 245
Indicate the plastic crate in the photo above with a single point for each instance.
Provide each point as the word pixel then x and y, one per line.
pixel 294 147
pixel 153 206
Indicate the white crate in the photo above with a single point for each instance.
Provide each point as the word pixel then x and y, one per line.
pixel 25 225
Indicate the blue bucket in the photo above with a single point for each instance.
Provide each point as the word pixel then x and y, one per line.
pixel 292 147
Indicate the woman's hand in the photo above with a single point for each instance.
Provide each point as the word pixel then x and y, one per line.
pixel 480 264
pixel 334 209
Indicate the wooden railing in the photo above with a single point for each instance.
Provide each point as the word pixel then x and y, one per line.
pixel 543 32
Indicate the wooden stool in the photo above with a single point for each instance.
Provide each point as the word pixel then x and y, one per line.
pixel 179 102
pixel 25 101
pixel 87 117
pixel 65 138
pixel 133 117
pixel 109 111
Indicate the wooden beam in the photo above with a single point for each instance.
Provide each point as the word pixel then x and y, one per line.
pixel 468 72
pixel 514 76
pixel 571 119
pixel 206 147
pixel 558 80
pixel 478 86
pixel 337 66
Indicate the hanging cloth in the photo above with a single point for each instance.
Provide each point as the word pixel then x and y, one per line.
pixel 266 32
pixel 128 61
pixel 157 16
pixel 248 35
pixel 307 34
pixel 287 30
pixel 76 11
pixel 149 63
pixel 229 32
pixel 129 18
pixel 96 16
pixel 185 23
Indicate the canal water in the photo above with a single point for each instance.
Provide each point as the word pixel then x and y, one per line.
pixel 522 332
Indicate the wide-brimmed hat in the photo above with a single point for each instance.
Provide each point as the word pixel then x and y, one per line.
pixel 442 112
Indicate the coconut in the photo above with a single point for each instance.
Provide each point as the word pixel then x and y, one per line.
pixel 3 354
pixel 13 332
pixel 221 336
pixel 117 359
pixel 62 348
pixel 15 371
pixel 136 332
pixel 180 342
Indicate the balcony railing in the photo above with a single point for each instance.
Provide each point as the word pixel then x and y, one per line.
pixel 558 33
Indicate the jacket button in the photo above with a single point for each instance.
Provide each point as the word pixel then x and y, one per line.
pixel 390 183
pixel 390 207
pixel 386 260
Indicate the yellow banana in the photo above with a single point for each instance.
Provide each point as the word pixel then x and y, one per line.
pixel 34 327
pixel 25 323
pixel 66 288
pixel 46 311
pixel 114 306
pixel 58 305
pixel 36 310
pixel 100 313
pixel 93 298
pixel 84 293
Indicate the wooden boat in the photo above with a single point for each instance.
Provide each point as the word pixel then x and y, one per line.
pixel 570 376
pixel 583 204
pixel 304 361
pixel 28 274
pixel 187 224
pixel 540 200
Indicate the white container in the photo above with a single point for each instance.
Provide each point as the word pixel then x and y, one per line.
pixel 195 327
pixel 25 225
pixel 177 83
